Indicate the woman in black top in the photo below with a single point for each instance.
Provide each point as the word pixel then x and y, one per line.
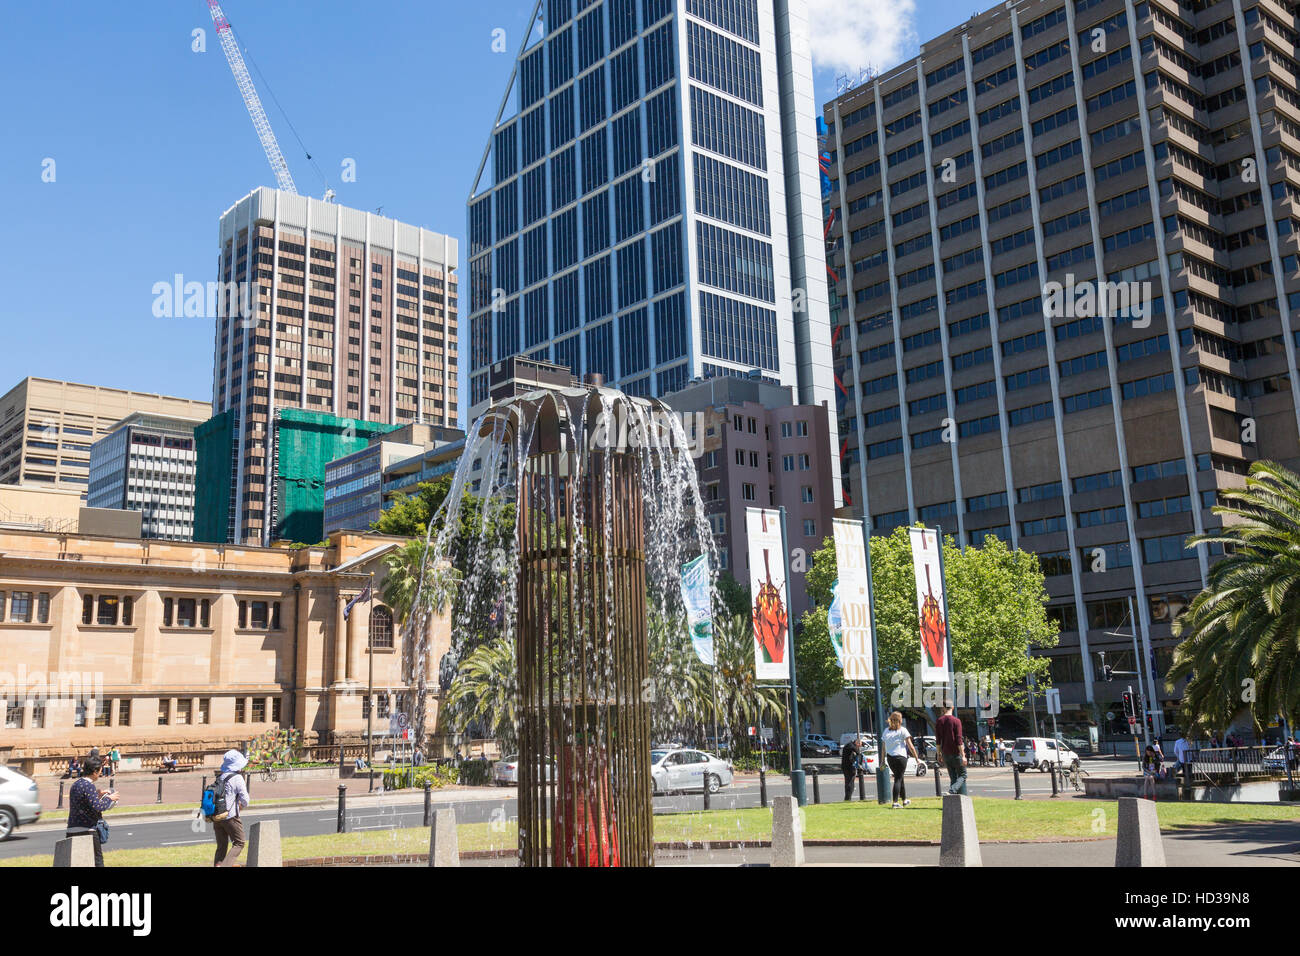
pixel 86 806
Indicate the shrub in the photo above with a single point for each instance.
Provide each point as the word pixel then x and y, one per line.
pixel 475 773
pixel 436 775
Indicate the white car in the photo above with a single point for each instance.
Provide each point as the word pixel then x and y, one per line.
pixel 868 741
pixel 505 772
pixel 914 766
pixel 20 801
pixel 688 770
pixel 1043 753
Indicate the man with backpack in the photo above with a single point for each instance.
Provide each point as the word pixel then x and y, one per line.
pixel 222 802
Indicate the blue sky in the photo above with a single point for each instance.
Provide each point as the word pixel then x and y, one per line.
pixel 151 143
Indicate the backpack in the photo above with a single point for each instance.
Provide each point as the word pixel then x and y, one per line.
pixel 213 803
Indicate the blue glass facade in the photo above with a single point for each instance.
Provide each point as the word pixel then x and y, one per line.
pixel 634 162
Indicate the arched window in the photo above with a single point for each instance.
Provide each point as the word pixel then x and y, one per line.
pixel 381 627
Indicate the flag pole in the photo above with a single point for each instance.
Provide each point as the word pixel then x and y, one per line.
pixel 370 685
pixel 796 731
pixel 882 766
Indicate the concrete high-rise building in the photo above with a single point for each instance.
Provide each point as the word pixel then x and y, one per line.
pixel 147 464
pixel 47 427
pixel 758 449
pixel 648 207
pixel 354 316
pixel 1041 157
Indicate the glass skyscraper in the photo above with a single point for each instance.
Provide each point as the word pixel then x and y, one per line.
pixel 642 207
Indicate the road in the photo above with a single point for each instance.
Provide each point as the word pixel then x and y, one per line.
pixel 386 812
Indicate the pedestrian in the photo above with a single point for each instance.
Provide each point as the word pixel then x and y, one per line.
pixel 230 831
pixel 897 744
pixel 1182 750
pixel 1151 771
pixel 86 806
pixel 947 732
pixel 115 756
pixel 849 765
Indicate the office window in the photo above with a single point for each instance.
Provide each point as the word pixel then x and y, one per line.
pixel 183 710
pixel 275 710
pixel 809 528
pixel 164 712
pixel 241 713
pixel 108 606
pixel 20 608
pixel 259 710
pixel 204 711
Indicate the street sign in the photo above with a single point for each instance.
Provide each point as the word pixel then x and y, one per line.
pixel 1053 700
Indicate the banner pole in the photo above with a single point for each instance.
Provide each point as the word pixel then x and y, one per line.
pixel 882 768
pixel 796 756
pixel 947 625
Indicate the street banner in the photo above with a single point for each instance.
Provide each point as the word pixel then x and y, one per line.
pixel 930 605
pixel 855 599
pixel 767 582
pixel 699 611
pixel 835 624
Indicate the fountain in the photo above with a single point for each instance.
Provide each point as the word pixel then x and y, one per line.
pixel 588 506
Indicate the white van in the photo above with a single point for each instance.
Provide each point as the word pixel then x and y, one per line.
pixel 1043 753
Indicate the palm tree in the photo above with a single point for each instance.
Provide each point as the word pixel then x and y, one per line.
pixel 1241 635
pixel 486 689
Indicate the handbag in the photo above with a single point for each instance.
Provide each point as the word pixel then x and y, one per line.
pixel 102 829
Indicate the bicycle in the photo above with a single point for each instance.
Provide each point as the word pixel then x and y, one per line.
pixel 1072 775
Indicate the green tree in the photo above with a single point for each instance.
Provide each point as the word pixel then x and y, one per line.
pixel 1241 634
pixel 734 596
pixel 996 604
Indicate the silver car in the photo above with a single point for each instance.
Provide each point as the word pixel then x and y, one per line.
pixel 686 769
pixel 20 802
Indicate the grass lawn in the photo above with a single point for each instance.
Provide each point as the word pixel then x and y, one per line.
pixel 997 820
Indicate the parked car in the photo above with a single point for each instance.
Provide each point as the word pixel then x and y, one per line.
pixel 20 801
pixel 818 745
pixel 927 746
pixel 1043 753
pixel 868 740
pixel 914 766
pixel 686 769
pixel 505 772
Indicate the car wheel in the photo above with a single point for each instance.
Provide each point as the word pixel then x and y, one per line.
pixel 1044 767
pixel 7 824
pixel 712 782
pixel 920 769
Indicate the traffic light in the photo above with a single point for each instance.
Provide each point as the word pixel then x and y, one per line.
pixel 1106 672
pixel 1151 725
pixel 1129 709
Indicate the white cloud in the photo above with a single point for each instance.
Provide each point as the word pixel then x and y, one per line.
pixel 848 35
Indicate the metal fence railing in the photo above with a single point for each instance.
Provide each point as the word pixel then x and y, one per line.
pixel 1236 762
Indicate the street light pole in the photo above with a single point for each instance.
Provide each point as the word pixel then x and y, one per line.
pixel 796 757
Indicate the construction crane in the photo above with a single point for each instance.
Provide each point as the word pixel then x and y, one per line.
pixel 251 100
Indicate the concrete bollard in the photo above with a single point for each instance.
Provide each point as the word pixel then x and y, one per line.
pixel 787 832
pixel 762 788
pixel 444 850
pixel 264 844
pixel 1138 840
pixel 960 843
pixel 75 851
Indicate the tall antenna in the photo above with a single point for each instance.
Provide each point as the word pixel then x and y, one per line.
pixel 251 100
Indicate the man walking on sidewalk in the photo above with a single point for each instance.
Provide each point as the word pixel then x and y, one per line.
pixel 947 732
pixel 230 830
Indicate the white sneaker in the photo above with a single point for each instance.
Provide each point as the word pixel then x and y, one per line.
pixel 907 803
pixel 894 807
